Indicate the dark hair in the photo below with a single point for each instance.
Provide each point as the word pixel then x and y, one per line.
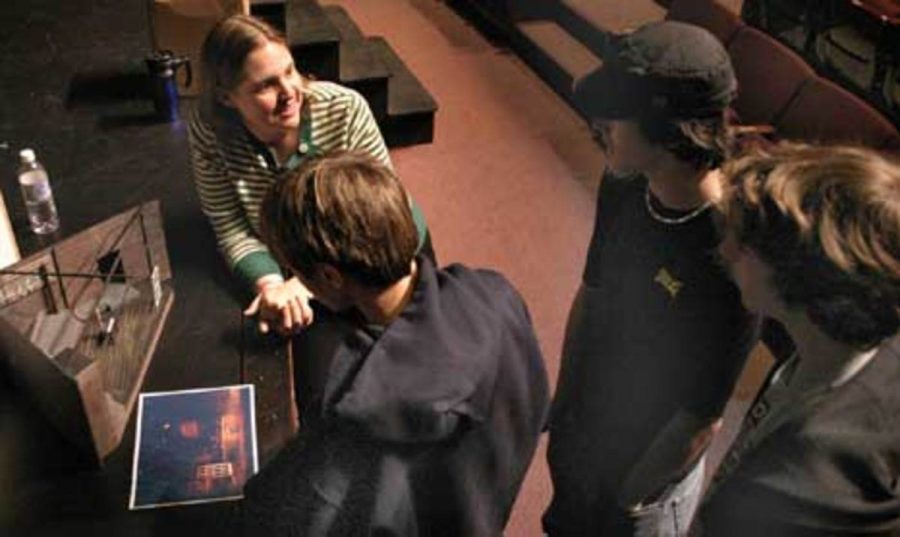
pixel 347 210
pixel 222 58
pixel 705 143
pixel 827 221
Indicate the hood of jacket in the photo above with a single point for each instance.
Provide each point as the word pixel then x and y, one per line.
pixel 432 368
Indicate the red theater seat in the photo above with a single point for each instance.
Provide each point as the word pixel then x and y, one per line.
pixel 825 112
pixel 719 20
pixel 769 75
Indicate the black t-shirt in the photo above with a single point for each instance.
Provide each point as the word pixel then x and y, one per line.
pixel 667 335
pixel 674 317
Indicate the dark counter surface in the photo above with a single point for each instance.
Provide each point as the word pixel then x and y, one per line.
pixel 73 88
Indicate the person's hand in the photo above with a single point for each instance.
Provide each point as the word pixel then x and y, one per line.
pixel 673 453
pixel 282 306
pixel 699 442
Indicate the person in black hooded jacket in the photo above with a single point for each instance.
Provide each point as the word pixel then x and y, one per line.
pixel 422 406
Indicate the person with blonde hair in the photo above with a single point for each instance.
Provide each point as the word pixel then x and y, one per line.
pixel 424 393
pixel 812 238
pixel 257 120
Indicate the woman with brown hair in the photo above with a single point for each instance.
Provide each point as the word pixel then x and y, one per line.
pixel 258 119
pixel 812 238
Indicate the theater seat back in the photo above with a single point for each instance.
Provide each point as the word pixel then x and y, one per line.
pixel 822 111
pixel 769 75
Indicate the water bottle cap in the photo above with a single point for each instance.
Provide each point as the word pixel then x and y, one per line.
pixel 27 156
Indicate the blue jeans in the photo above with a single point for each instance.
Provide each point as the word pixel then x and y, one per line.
pixel 670 515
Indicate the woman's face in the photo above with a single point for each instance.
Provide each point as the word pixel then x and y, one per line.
pixel 268 97
pixel 627 150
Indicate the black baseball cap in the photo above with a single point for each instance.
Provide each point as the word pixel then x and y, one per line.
pixel 668 68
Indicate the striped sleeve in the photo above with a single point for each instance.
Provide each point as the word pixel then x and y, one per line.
pixel 245 253
pixel 362 130
pixel 344 110
pixel 363 134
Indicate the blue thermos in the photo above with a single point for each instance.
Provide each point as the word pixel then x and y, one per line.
pixel 162 66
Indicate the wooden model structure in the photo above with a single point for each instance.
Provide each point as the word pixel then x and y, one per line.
pixel 79 322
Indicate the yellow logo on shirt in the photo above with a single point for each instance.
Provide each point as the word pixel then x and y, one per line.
pixel 669 283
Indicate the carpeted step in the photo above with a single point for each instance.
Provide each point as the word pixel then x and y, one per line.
pixel 591 21
pixel 361 67
pixel 556 55
pixel 410 109
pixel 505 12
pixel 313 39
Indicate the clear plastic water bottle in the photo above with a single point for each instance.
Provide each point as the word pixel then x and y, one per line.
pixel 37 194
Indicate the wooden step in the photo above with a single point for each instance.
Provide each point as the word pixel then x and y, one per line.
pixel 313 39
pixel 614 17
pixel 410 109
pixel 556 55
pixel 361 67
pixel 581 28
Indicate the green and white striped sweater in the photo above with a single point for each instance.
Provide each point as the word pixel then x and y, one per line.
pixel 233 174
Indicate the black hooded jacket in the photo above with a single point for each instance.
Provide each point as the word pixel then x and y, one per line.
pixel 424 427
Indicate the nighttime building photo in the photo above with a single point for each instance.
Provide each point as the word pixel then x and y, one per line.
pixel 450 268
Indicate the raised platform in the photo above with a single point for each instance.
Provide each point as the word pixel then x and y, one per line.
pixel 559 58
pixel 562 40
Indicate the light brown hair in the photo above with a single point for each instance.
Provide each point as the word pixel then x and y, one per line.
pixel 827 220
pixel 347 210
pixel 222 58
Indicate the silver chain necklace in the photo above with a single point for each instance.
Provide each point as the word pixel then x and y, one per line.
pixel 672 221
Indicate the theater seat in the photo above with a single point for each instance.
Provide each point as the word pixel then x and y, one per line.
pixel 769 75
pixel 862 44
pixel 825 112
pixel 708 14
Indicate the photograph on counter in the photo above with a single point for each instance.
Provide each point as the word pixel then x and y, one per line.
pixel 193 446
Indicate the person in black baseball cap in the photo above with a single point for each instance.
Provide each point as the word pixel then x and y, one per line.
pixel 668 70
pixel 657 335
